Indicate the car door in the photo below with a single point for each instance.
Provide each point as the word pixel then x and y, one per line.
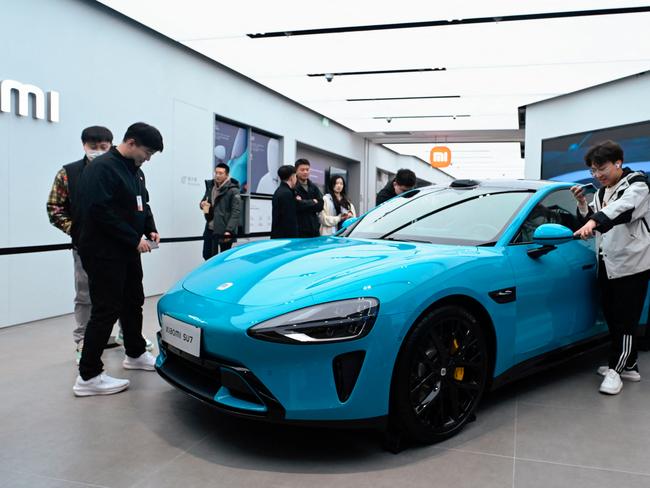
pixel 556 291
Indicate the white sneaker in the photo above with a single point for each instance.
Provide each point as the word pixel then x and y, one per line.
pixel 631 374
pixel 148 345
pixel 612 384
pixel 146 361
pixel 102 384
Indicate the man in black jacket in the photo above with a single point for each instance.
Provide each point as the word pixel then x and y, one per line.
pixel 61 203
pixel 284 223
pixel 221 207
pixel 404 181
pixel 111 218
pixel 310 201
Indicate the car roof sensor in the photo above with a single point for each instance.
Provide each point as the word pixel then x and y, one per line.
pixel 464 184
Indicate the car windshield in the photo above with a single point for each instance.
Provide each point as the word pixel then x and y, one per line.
pixel 475 216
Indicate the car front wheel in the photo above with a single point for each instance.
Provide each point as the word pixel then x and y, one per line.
pixel 440 375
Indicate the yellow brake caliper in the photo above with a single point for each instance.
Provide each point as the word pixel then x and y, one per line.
pixel 459 371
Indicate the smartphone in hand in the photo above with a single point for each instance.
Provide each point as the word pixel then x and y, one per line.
pixel 152 244
pixel 588 189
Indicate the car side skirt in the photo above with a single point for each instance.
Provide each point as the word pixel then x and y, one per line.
pixel 549 359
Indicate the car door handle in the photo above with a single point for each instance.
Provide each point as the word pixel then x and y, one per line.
pixel 587 267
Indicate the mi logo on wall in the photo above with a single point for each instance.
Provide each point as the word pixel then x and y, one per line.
pixel 440 157
pixel 24 93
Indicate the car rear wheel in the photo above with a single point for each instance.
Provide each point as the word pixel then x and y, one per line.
pixel 440 376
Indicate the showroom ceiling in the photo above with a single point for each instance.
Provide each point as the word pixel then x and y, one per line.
pixel 412 65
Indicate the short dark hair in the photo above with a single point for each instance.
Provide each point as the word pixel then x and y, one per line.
pixel 405 177
pixel 145 135
pixel 285 172
pixel 96 133
pixel 224 166
pixel 302 162
pixel 603 152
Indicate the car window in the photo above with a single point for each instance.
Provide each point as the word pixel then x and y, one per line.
pixel 557 208
pixel 466 217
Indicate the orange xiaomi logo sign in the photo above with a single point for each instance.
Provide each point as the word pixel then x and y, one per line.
pixel 440 157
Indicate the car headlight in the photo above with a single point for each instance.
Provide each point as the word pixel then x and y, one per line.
pixel 343 320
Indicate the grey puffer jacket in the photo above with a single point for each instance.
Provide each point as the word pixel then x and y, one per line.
pixel 225 210
pixel 623 231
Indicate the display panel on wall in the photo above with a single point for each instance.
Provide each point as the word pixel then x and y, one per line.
pixel 231 147
pixel 265 161
pixel 563 157
pixel 260 215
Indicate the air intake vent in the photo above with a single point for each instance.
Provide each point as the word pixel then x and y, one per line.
pixel 346 368
pixel 397 133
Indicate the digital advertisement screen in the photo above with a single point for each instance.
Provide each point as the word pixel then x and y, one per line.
pixel 231 147
pixel 563 157
pixel 265 161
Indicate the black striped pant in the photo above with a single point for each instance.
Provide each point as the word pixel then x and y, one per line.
pixel 622 300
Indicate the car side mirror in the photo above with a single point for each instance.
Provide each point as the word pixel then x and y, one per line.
pixel 552 235
pixel 348 222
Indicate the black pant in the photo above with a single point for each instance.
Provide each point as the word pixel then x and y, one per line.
pixel 213 244
pixel 115 292
pixel 218 244
pixel 622 300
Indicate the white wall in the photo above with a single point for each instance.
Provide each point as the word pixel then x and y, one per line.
pixel 111 71
pixel 615 103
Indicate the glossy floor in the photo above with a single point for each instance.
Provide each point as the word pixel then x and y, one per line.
pixel 552 430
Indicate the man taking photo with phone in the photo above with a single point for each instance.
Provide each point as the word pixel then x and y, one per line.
pixel 618 217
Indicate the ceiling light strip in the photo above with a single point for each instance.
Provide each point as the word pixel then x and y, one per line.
pixel 440 23
pixel 399 98
pixel 378 72
pixel 421 117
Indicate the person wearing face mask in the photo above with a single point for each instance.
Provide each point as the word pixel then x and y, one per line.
pixel 618 217
pixel 95 140
pixel 113 224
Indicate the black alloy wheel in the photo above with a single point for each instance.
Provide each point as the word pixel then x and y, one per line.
pixel 440 376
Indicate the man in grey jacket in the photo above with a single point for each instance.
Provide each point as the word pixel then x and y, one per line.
pixel 618 215
pixel 221 206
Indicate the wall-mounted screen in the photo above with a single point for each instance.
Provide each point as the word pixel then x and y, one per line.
pixel 231 147
pixel 563 157
pixel 265 161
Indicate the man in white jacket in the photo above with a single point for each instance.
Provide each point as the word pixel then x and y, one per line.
pixel 618 215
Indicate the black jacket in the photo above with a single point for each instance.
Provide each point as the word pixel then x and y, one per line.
pixel 285 222
pixel 113 211
pixel 74 171
pixel 308 223
pixel 225 211
pixel 386 193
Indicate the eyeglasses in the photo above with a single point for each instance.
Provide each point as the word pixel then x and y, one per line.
pixel 601 171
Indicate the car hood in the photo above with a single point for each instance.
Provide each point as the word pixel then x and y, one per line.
pixel 279 271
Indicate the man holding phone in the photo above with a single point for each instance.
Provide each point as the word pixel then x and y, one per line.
pixel 112 218
pixel 618 216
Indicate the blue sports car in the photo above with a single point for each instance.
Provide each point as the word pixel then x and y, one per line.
pixel 404 318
